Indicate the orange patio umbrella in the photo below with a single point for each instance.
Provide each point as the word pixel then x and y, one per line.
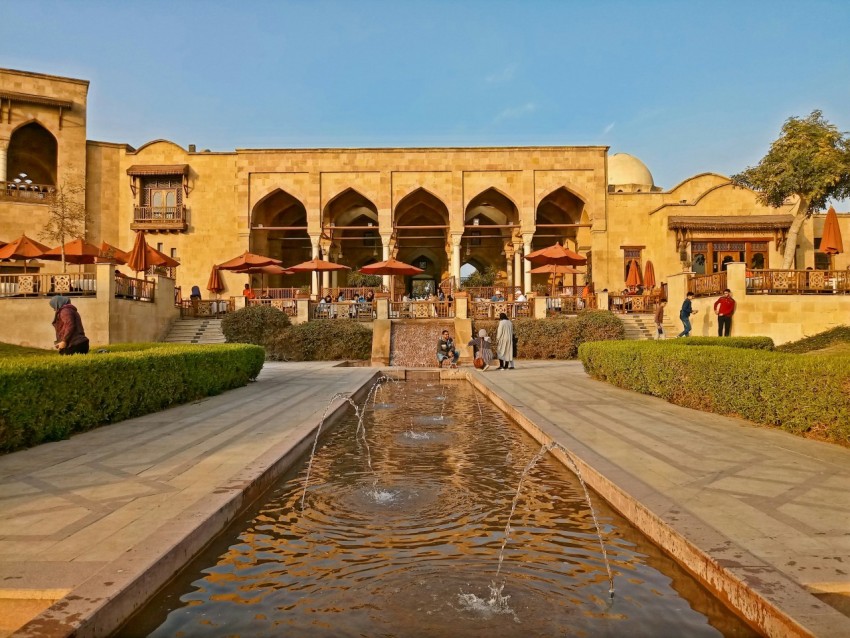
pixel 554 270
pixel 391 267
pixel 317 265
pixel 215 284
pixel 633 276
pixel 649 275
pixel 77 251
pixel 247 260
pixel 271 269
pixel 142 256
pixel 109 253
pixel 556 254
pixel 23 248
pixel 830 242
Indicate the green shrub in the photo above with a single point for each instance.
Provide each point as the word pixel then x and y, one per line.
pixel 49 398
pixel 831 337
pixel 750 343
pixel 798 394
pixel 557 337
pixel 253 324
pixel 321 341
pixel 359 280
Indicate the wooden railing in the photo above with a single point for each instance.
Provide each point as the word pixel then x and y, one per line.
pixel 707 285
pixel 286 306
pixel 641 304
pixel 205 307
pixel 569 304
pixel 35 285
pixel 351 294
pixel 342 310
pixel 422 310
pixel 26 192
pixel 492 309
pixel 159 217
pixel 135 289
pixel 791 282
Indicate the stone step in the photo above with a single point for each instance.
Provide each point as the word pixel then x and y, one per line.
pixel 195 331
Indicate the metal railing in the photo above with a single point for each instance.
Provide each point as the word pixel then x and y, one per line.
pixel 421 310
pixel 342 310
pixel 492 309
pixel 26 192
pixel 793 282
pixel 35 285
pixel 135 289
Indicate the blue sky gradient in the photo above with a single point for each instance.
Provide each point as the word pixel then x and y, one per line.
pixel 688 87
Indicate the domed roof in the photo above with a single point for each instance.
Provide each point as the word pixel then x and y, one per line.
pixel 628 169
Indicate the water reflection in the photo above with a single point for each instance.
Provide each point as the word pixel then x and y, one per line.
pixel 406 543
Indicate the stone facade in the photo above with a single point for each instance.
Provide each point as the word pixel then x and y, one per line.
pixel 439 208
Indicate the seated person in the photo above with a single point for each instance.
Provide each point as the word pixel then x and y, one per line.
pixel 341 296
pixel 196 294
pixel 445 349
pixel 370 296
pixel 497 296
pixel 265 294
pixel 520 297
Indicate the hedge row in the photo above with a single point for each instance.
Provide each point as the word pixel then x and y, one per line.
pixel 825 339
pixel 254 324
pixel 798 394
pixel 558 338
pixel 748 343
pixel 49 398
pixel 321 341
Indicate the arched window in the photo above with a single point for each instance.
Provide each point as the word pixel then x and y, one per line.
pixel 33 151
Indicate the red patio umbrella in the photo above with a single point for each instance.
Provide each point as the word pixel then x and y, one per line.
pixel 391 267
pixel 271 269
pixel 556 254
pixel 23 248
pixel 830 242
pixel 142 256
pixel 247 260
pixel 553 270
pixel 649 275
pixel 77 251
pixel 317 265
pixel 633 276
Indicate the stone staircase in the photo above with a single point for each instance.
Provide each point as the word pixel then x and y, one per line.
pixel 640 327
pixel 195 331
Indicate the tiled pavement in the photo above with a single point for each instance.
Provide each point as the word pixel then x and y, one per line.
pixel 91 513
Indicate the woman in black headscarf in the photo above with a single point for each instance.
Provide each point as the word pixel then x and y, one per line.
pixel 70 336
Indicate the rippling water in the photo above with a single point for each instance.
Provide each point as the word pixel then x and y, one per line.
pixel 411 547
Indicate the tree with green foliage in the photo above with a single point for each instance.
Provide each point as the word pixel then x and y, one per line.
pixel 810 160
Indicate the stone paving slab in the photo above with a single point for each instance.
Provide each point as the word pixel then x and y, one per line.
pixel 766 507
pixel 88 515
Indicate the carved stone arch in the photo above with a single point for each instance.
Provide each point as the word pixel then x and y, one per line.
pixel 34 151
pixel 555 218
pixel 419 205
pixel 279 230
pixel 493 204
pixel 147 145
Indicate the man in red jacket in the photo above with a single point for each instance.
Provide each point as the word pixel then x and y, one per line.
pixel 724 308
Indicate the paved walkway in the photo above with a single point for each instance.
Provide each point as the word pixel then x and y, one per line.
pixel 89 514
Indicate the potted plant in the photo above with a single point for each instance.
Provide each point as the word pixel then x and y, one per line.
pixel 303 292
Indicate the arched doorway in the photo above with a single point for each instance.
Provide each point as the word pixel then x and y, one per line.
pixel 33 152
pixel 561 216
pixel 279 230
pixel 420 232
pixel 491 221
pixel 349 233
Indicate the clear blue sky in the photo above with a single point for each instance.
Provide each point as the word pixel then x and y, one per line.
pixel 686 86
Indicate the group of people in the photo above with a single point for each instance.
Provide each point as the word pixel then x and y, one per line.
pixel 482 347
pixel 724 308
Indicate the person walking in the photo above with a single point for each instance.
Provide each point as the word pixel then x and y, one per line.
pixel 505 343
pixel 659 319
pixel 70 336
pixel 724 308
pixel 685 314
pixel 482 348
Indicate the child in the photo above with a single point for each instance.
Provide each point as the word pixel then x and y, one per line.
pixel 659 319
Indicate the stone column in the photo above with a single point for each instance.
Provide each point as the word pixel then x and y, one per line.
pixel 456 237
pixel 314 281
pixel 526 243
pixel 4 148
pixel 518 282
pixel 385 251
pixel 509 272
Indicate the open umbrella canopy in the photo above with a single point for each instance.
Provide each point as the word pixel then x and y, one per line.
pixel 23 248
pixel 109 253
pixel 77 251
pixel 649 275
pixel 555 269
pixel 317 265
pixel 830 242
pixel 215 284
pixel 390 267
pixel 556 254
pixel 271 269
pixel 633 276
pixel 247 260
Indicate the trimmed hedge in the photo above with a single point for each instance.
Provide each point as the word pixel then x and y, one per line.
pixel 253 324
pixel 49 398
pixel 321 341
pixel 558 338
pixel 748 343
pixel 832 337
pixel 798 394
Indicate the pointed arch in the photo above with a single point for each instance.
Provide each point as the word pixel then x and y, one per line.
pixel 555 217
pixel 279 230
pixel 421 207
pixel 33 151
pixel 494 205
pixel 347 207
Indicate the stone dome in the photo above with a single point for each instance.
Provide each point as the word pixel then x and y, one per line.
pixel 628 171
